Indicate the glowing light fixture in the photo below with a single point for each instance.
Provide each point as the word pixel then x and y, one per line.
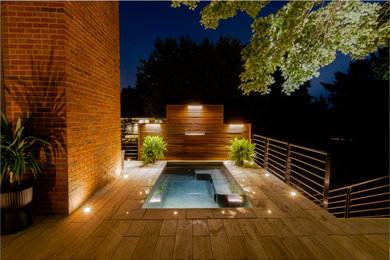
pixel 236 128
pixel 269 211
pixel 153 125
pixel 175 213
pixel 267 174
pixel 235 198
pixel 195 133
pixel 223 212
pixel 155 198
pixel 293 193
pixel 87 209
pixel 126 176
pixel 194 107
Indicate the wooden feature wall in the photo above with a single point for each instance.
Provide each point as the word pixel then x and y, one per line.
pixel 195 133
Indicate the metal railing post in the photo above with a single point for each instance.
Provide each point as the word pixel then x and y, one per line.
pixel 266 153
pixel 326 182
pixel 347 202
pixel 288 163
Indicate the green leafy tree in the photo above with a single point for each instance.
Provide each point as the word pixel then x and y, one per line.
pixel 241 150
pixel 153 149
pixel 301 38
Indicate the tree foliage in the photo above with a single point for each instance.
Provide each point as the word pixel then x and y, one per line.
pixel 180 71
pixel 301 37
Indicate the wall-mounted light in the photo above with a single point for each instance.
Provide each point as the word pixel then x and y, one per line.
pixel 195 133
pixel 236 128
pixel 153 125
pixel 194 107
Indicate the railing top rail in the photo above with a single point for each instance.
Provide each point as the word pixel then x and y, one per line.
pixel 293 145
pixel 310 149
pixel 360 183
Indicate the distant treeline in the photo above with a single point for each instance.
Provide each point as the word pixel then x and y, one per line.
pixel 354 115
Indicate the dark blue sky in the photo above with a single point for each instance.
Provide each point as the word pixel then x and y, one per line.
pixel 141 23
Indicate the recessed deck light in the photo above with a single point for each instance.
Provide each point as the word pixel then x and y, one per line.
pixel 236 125
pixel 175 213
pixel 87 209
pixel 267 174
pixel 293 193
pixel 269 211
pixel 126 176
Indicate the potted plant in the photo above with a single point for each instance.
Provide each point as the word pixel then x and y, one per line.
pixel 153 149
pixel 20 157
pixel 241 150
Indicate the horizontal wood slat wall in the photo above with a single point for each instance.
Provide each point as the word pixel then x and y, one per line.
pixel 184 114
pixel 208 121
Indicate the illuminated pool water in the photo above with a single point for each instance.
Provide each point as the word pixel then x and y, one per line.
pixel 196 186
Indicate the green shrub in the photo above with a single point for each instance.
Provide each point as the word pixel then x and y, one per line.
pixel 241 150
pixel 153 149
pixel 20 152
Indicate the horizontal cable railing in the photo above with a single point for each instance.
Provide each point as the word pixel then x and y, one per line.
pixel 365 199
pixel 306 169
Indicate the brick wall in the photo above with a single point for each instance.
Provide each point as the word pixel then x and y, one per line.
pixel 61 64
pixel 93 96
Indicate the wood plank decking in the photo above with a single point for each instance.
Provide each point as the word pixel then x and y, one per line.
pixel 277 227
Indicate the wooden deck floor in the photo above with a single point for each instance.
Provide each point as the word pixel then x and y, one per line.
pixel 277 227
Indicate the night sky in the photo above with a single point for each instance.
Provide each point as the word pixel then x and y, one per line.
pixel 141 23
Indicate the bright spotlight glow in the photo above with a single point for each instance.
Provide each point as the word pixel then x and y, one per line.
pixel 235 198
pixel 267 174
pixel 223 212
pixel 87 209
pixel 293 193
pixel 269 211
pixel 194 133
pixel 193 107
pixel 125 176
pixel 153 125
pixel 236 125
pixel 175 213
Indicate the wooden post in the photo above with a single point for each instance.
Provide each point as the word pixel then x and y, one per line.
pixel 347 202
pixel 288 164
pixel 266 153
pixel 326 182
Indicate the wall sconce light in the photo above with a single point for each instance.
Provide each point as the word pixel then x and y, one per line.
pixel 194 107
pixel 236 128
pixel 195 133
